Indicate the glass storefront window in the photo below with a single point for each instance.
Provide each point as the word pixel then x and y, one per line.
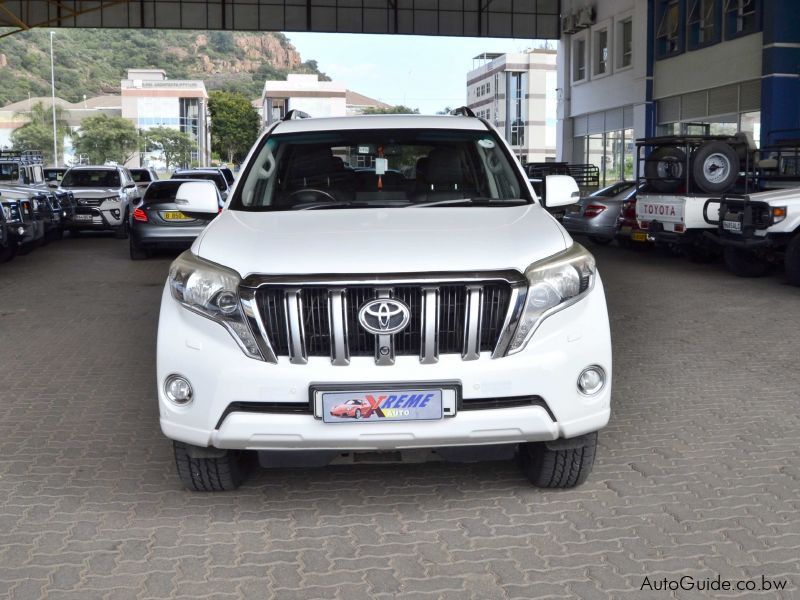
pixel 595 153
pixel 750 122
pixel 628 155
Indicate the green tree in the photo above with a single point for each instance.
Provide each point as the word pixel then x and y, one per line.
pixel 391 110
pixel 37 133
pixel 103 138
pixel 175 146
pixel 234 124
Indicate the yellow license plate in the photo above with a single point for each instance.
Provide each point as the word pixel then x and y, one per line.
pixel 175 215
pixel 639 236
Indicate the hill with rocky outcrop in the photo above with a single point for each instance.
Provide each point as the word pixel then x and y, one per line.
pixel 93 61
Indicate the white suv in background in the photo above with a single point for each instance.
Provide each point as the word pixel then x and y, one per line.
pixel 103 198
pixel 382 283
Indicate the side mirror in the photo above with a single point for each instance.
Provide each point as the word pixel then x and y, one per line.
pixel 197 199
pixel 561 190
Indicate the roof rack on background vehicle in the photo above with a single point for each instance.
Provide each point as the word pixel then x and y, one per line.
pixel 295 114
pixel 26 156
pixel 462 111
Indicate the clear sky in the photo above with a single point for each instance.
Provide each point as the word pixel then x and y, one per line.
pixel 428 73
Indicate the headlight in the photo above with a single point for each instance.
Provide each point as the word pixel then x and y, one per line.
pixel 6 212
pixel 35 204
pixel 553 284
pixel 212 291
pixel 778 214
pixel 114 199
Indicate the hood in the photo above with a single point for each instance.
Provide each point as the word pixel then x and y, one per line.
pixel 381 240
pixel 93 192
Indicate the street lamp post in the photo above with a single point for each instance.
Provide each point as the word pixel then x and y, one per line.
pixel 53 90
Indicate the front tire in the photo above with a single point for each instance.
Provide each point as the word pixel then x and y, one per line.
pixel 600 241
pixel 137 252
pixel 558 464
pixel 121 232
pixel 209 469
pixel 743 263
pixel 792 261
pixel 7 253
pixel 358 413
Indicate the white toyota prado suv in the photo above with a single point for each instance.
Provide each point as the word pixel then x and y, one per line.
pixel 382 284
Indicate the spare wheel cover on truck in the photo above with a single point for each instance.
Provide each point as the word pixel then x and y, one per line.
pixel 664 168
pixel 715 167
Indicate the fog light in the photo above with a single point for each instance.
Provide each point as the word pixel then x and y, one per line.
pixel 115 212
pixel 21 231
pixel 178 389
pixel 591 380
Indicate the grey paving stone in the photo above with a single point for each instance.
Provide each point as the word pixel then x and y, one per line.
pixel 697 471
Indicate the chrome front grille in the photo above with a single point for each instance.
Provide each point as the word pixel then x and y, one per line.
pixel 457 315
pixel 90 201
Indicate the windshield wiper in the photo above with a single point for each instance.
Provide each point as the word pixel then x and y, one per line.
pixel 329 205
pixel 470 201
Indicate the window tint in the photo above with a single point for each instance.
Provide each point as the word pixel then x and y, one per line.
pixel 162 191
pixel 141 175
pixel 91 178
pixel 368 168
pixel 216 177
pixel 9 172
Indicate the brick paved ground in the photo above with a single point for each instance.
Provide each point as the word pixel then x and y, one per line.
pixel 698 472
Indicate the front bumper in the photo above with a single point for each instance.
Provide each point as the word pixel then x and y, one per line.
pixel 21 233
pixel 205 353
pixel 100 217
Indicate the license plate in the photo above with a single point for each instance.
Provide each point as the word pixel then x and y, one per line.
pixel 574 208
pixel 83 217
pixel 381 405
pixel 175 215
pixel 735 226
pixel 639 236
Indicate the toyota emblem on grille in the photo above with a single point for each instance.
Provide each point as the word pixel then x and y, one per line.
pixel 384 316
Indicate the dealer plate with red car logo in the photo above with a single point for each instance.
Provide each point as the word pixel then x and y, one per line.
pixel 380 405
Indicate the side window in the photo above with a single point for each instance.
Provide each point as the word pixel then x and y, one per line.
pixel 26 176
pixel 37 173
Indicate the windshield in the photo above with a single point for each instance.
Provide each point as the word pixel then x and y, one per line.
pixel 162 191
pixel 380 168
pixel 91 178
pixel 217 178
pixel 613 189
pixel 53 174
pixel 9 171
pixel 141 175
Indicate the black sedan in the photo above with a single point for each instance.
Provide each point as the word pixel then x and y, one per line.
pixel 156 221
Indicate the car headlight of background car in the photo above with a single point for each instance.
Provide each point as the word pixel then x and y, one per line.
pixel 212 291
pixel 553 284
pixel 6 213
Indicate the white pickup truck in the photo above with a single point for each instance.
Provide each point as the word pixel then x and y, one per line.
pixel 677 220
pixel 757 230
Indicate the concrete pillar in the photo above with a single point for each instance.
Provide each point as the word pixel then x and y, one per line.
pixel 780 82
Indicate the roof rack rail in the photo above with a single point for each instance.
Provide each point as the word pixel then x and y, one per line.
pixel 462 111
pixel 295 114
pixel 24 156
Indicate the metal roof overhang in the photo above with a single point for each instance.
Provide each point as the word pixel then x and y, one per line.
pixel 537 19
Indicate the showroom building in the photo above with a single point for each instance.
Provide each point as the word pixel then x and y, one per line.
pixel 635 68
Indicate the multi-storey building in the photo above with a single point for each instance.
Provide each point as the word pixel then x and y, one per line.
pixel 635 68
pixel 516 92
pixel 310 95
pixel 150 100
